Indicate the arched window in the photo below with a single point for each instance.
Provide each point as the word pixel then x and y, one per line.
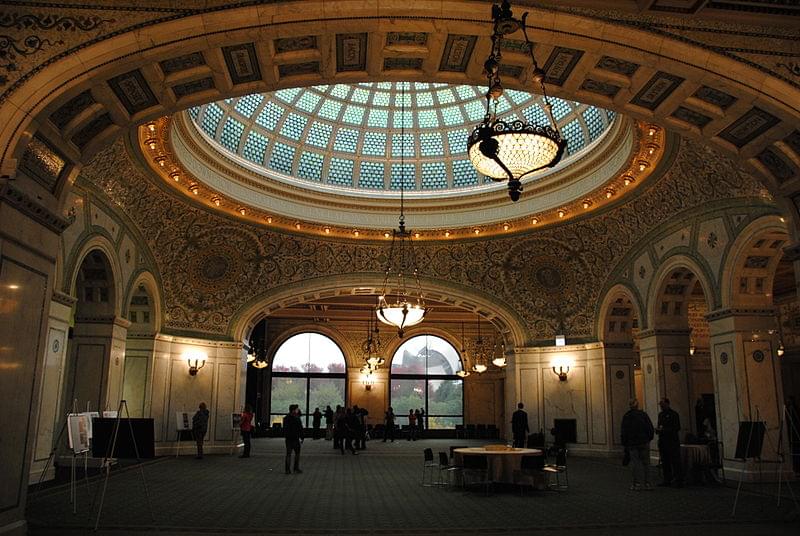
pixel 309 370
pixel 423 375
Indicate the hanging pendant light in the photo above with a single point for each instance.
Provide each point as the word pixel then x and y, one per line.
pixel 400 309
pixel 372 345
pixel 512 150
pixel 463 372
pixel 257 355
pixel 479 352
pixel 500 360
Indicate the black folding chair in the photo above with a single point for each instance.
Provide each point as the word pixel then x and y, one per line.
pixel 476 466
pixel 531 467
pixel 428 466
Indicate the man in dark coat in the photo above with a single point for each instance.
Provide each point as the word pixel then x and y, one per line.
pixel 637 432
pixel 200 427
pixel 669 444
pixel 519 426
pixel 293 434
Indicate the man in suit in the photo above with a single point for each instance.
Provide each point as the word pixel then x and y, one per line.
pixel 669 444
pixel 519 426
pixel 293 434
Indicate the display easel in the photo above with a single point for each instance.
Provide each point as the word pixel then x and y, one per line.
pixel 787 420
pixel 107 458
pixel 235 429
pixel 747 453
pixel 180 427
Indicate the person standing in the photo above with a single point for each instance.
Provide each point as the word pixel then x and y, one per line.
pixel 200 427
pixel 293 433
pixel 316 421
pixel 361 440
pixel 338 429
pixel 669 444
pixel 519 426
pixel 388 422
pixel 246 428
pixel 343 432
pixel 421 422
pixel 412 425
pixel 637 433
pixel 328 423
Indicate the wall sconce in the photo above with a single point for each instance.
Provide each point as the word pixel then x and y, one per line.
pixel 781 350
pixel 196 360
pixel 368 380
pixel 692 348
pixel 561 373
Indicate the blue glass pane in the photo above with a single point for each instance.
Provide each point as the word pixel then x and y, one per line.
pixel 503 105
pixel 405 120
pixel 211 119
pixel 424 99
pixel 445 96
pixel 593 122
pixel 380 99
pixel 467 92
pixel 403 174
pixel 371 175
pixel 475 111
pixel 194 111
pixel 247 105
pixel 464 174
pixel 378 118
pixel 431 144
pixel 270 115
pixel 294 126
pixel 346 140
pixel 428 119
pixel 536 115
pixel 340 91
pixel 452 116
pixel 353 115
pixel 400 100
pixel 610 114
pixel 282 158
pixel 573 133
pixel 308 101
pixel 310 166
pixel 374 144
pixel 319 134
pixel 231 134
pixel 403 145
pixel 434 175
pixel 560 109
pixel 288 95
pixel 341 172
pixel 330 109
pixel 517 97
pixel 457 140
pixel 255 147
pixel 360 96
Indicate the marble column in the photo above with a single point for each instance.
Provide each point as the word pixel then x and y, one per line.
pixel 51 415
pixel 664 355
pixel 747 385
pixel 620 361
pixel 29 231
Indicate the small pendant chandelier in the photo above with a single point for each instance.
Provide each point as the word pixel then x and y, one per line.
pixel 257 353
pixel 512 150
pixel 401 310
pixel 463 372
pixel 479 352
pixel 499 359
pixel 372 345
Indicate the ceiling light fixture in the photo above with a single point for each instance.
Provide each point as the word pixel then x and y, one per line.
pixel 512 150
pixel 372 346
pixel 479 352
pixel 403 310
pixel 463 372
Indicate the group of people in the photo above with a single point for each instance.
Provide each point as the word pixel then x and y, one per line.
pixel 638 432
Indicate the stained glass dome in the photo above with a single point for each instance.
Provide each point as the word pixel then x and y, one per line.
pixel 349 135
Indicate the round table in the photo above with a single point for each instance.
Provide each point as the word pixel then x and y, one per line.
pixel 502 463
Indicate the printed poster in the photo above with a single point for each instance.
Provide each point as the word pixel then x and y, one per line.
pixel 183 421
pixel 78 426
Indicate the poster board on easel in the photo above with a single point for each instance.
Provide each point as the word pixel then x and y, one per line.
pixel 236 426
pixel 79 430
pixel 183 424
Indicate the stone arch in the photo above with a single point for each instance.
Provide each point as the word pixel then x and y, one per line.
pixel 333 334
pixel 615 293
pixel 72 267
pixel 751 263
pixel 149 282
pixel 677 268
pixel 132 59
pixel 506 319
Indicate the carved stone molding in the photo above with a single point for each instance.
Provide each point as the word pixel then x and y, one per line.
pixel 31 208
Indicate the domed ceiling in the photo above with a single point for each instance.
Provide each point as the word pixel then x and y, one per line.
pixel 353 135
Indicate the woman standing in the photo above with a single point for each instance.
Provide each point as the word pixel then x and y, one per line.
pixel 246 427
pixel 200 427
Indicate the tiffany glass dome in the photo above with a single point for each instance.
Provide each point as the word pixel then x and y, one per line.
pixel 348 136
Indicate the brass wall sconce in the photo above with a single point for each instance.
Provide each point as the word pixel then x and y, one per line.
pixel 561 373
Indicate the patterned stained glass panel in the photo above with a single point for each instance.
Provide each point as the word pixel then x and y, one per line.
pixel 211 119
pixel 400 174
pixel 319 134
pixel 353 115
pixel 288 95
pixel 452 116
pixel 457 140
pixel 445 96
pixel 194 111
pixel 430 144
pixel 360 95
pixel 310 166
pixel 247 105
pixel 561 109
pixel 428 119
pixel 340 91
pixel 593 122
pixel 330 109
pixel 371 175
pixel 573 132
pixel 231 134
pixel 464 174
pixel 378 118
pixel 340 172
pixel 270 115
pixel 402 145
pixel 374 143
pixel 346 140
pixel 434 175
pixel 282 158
pixel 308 101
pixel 381 98
pixel 424 99
pixel 293 126
pixel 255 147
pixel 536 115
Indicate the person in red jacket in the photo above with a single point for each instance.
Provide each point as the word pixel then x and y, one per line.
pixel 246 427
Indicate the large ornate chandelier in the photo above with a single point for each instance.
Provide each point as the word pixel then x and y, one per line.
pixel 512 150
pixel 400 309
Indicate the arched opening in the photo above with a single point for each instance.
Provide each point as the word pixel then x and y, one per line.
pixel 307 369
pixel 93 379
pixel 675 352
pixel 423 376
pixel 784 294
pixel 139 350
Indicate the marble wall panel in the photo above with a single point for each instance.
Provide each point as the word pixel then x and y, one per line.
pixel 650 388
pixel 479 397
pixel 101 218
pixel 712 240
pixel 619 393
pixel 567 400
pixel 598 404
pixel 134 387
pixel 49 417
pixel 763 393
pixel 675 380
pixel 529 395
pixel 677 239
pixel 87 375
pixel 185 393
pixel 727 391
pixel 225 401
pixel 160 401
pixel 373 400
